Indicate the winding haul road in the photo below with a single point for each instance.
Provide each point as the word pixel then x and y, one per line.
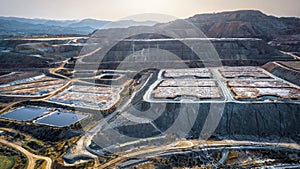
pixel 31 157
pixel 180 145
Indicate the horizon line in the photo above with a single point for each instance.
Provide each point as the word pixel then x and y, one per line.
pixel 84 18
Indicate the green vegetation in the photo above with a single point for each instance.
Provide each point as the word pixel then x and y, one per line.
pixel 34 146
pixel 7 162
pixel 11 158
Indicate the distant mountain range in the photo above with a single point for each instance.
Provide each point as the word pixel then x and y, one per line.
pixel 236 24
pixel 13 26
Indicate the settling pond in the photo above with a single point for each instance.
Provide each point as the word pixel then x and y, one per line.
pixel 27 113
pixel 60 119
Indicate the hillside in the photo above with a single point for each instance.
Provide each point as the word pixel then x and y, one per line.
pixel 242 24
pixel 245 23
pixel 13 26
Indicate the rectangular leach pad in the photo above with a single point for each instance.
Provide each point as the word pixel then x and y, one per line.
pixel 256 93
pixel 94 89
pixel 197 92
pixel 258 74
pixel 35 87
pixel 187 83
pixel 16 76
pixel 193 72
pixel 258 84
pixel 70 97
pixel 238 72
pixel 84 96
pixel 239 69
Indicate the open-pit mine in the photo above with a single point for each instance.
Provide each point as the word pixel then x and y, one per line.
pixel 150 100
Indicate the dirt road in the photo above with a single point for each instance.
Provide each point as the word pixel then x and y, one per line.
pixel 189 144
pixel 31 157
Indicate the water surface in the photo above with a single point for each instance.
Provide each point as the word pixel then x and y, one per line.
pixel 27 113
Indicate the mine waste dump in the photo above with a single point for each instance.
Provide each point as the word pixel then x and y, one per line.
pixel 231 51
pixel 257 108
pixel 239 111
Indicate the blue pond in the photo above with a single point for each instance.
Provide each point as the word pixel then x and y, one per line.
pixel 60 119
pixel 27 113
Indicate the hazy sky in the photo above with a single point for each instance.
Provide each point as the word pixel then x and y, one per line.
pixel 116 9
